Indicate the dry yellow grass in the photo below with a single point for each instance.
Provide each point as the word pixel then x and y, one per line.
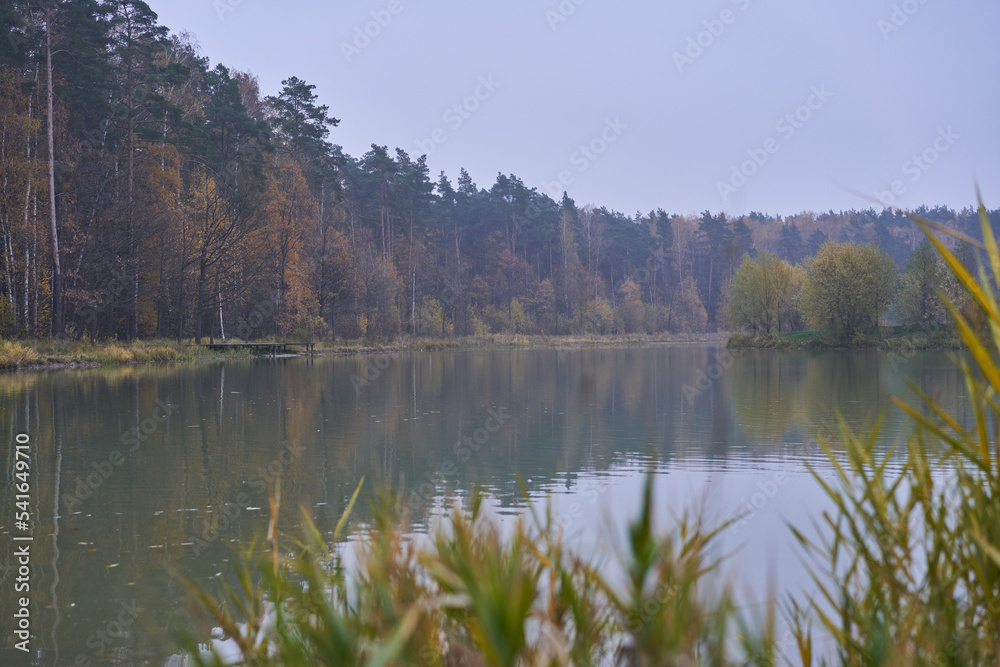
pixel 15 355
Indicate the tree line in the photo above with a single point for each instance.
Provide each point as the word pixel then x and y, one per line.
pixel 147 193
pixel 845 288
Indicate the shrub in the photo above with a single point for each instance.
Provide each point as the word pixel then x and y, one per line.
pixel 598 318
pixel 687 312
pixel 849 287
pixel 15 355
pixel 633 313
pixel 762 295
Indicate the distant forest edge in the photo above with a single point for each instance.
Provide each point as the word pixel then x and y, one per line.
pixel 147 194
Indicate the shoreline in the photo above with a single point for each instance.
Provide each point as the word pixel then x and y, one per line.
pixel 889 339
pixel 49 355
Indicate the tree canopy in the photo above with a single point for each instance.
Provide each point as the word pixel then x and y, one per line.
pixel 848 287
pixel 763 294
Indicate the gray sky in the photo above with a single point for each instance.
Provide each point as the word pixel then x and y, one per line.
pixel 735 105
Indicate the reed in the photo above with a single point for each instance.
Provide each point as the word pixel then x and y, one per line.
pixel 469 596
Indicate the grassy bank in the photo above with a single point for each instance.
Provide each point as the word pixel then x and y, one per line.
pixel 64 353
pixel 884 338
pixel 515 341
pixel 52 354
pixel 41 354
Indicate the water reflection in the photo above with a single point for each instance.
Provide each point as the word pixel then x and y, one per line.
pixel 138 472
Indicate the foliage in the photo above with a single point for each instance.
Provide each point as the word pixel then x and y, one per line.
pixel 477 327
pixel 8 323
pixel 311 328
pixel 849 287
pixel 519 320
pixel 632 311
pixel 762 295
pixel 431 318
pixel 926 276
pixel 597 316
pixel 687 312
pixel 790 244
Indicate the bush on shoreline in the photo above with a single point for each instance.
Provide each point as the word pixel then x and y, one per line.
pixel 15 355
pixel 907 338
pixel 57 353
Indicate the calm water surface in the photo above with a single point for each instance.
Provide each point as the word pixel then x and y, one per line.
pixel 138 473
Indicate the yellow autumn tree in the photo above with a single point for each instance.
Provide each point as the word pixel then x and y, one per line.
pixel 631 309
pixel 849 287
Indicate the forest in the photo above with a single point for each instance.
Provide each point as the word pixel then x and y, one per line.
pixel 149 194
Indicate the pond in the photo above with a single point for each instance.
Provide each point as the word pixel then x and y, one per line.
pixel 139 474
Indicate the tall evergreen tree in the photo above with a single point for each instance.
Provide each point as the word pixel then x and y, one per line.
pixel 790 246
pixel 305 126
pixel 815 242
pixel 714 239
pixel 136 40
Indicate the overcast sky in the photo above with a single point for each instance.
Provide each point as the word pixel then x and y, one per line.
pixel 777 106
